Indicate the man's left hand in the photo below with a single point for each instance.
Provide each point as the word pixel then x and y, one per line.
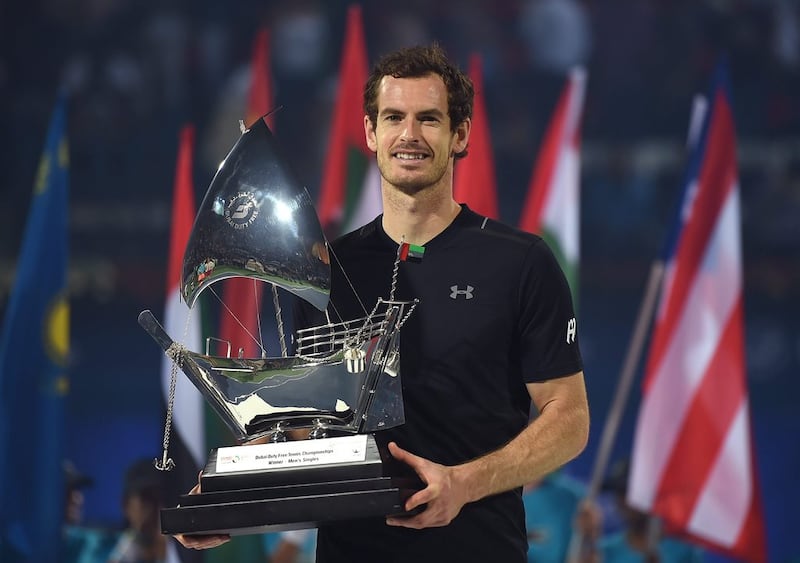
pixel 443 496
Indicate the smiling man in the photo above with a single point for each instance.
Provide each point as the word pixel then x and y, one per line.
pixel 494 332
pixel 489 336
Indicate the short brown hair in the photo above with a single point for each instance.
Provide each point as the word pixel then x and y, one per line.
pixel 416 62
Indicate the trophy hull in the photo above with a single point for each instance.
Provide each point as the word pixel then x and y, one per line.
pixel 263 500
pixel 343 379
pixel 256 396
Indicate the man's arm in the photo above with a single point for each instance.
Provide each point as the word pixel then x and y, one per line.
pixel 557 435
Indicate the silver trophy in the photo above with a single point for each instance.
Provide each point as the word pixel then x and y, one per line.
pixel 339 385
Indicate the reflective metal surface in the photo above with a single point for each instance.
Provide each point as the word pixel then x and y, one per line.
pixel 314 389
pixel 344 378
pixel 257 222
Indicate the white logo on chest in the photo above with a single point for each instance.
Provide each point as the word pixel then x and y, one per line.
pixel 455 292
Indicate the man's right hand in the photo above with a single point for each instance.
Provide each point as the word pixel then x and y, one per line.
pixel 201 541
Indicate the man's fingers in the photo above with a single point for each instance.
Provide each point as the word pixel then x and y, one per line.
pixel 202 542
pixel 418 499
pixel 402 522
pixel 398 452
pixel 414 461
pixel 196 488
pixel 418 521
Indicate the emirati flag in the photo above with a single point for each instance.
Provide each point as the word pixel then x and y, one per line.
pixel 183 324
pixel 259 96
pixel 552 207
pixel 239 322
pixel 350 194
pixel 474 182
pixel 693 462
pixel 187 436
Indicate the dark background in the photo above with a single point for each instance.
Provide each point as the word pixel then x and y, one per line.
pixel 136 71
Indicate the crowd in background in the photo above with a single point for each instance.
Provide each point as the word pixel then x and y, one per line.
pixel 135 71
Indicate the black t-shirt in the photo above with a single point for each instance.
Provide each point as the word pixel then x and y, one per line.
pixel 495 313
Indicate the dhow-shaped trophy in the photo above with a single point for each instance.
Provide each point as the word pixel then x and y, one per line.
pixel 337 387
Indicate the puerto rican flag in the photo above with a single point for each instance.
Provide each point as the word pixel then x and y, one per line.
pixel 693 463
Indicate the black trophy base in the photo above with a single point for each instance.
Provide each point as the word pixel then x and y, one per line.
pixel 258 501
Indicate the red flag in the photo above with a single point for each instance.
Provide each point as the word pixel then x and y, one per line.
pixel 183 208
pixel 259 100
pixel 345 198
pixel 693 463
pixel 239 318
pixel 552 206
pixel 187 440
pixel 475 182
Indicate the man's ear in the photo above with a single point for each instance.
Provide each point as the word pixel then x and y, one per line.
pixel 462 136
pixel 369 133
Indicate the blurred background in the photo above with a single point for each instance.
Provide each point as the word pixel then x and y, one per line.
pixel 137 71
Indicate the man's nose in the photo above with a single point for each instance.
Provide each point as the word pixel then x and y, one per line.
pixel 410 130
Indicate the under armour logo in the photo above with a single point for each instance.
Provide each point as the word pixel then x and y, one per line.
pixel 455 292
pixel 572 329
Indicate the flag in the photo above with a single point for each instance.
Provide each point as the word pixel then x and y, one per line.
pixel 242 297
pixel 475 182
pixel 350 192
pixel 34 346
pixel 187 440
pixel 184 324
pixel 240 318
pixel 411 252
pixel 259 97
pixel 693 463
pixel 552 206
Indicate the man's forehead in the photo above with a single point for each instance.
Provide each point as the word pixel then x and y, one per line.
pixel 427 91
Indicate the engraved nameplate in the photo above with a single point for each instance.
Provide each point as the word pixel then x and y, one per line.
pixel 286 455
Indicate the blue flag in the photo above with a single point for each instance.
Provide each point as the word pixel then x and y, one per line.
pixel 33 381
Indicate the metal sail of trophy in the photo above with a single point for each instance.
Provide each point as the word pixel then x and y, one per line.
pixel 341 378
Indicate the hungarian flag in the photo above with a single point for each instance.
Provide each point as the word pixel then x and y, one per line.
pixel 242 297
pixel 693 463
pixel 350 193
pixel 552 207
pixel 475 182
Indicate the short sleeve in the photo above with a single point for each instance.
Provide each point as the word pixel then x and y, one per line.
pixel 547 324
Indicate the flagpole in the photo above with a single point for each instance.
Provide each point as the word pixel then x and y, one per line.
pixel 632 358
pixel 633 355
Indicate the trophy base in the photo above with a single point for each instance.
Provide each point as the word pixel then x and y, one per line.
pixel 258 501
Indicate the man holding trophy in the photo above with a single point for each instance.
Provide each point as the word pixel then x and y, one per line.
pixel 493 331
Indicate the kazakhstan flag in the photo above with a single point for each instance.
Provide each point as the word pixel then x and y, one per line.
pixel 33 382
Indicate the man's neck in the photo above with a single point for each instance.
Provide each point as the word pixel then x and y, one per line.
pixel 415 219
